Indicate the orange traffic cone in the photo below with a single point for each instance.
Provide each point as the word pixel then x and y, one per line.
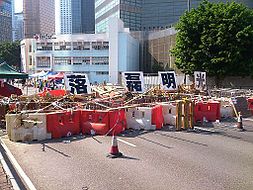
pixel 114 152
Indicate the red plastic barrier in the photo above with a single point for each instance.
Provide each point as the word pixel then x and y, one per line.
pixel 55 93
pixel 157 116
pixel 209 110
pixel 62 124
pixel 94 120
pixel 101 122
pixel 250 105
pixel 117 121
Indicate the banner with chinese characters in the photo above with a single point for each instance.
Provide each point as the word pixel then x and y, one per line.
pixel 77 83
pixel 134 81
pixel 200 80
pixel 168 80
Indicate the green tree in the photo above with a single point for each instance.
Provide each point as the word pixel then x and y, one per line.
pixel 157 67
pixel 216 38
pixel 11 53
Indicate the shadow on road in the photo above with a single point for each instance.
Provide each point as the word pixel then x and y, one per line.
pixel 155 142
pixel 129 158
pixel 181 139
pixel 55 150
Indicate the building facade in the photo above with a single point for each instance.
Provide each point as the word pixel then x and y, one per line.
pixel 148 15
pixel 129 11
pixel 94 54
pixel 18 26
pixel 74 16
pixel 39 17
pixel 6 20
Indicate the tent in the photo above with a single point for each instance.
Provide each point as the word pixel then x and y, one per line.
pixel 40 74
pixel 59 75
pixel 8 72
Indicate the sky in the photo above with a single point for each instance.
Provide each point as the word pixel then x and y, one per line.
pixel 18 6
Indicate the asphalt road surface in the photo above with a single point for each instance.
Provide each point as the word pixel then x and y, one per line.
pixel 154 160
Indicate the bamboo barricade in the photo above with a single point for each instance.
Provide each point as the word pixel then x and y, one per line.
pixel 184 114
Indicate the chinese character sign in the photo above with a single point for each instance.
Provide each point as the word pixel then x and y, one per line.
pixel 200 80
pixel 134 81
pixel 77 83
pixel 168 80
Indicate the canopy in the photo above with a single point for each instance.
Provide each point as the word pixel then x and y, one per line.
pixel 40 74
pixel 8 72
pixel 59 75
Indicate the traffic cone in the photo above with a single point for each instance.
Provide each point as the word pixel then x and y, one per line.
pixel 114 152
pixel 239 122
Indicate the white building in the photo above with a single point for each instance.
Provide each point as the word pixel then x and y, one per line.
pixel 102 56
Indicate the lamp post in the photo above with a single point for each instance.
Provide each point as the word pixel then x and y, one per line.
pixel 188 5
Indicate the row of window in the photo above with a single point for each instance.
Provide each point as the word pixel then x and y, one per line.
pixel 58 46
pixel 81 60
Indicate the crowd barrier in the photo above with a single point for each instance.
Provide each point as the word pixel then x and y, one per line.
pixel 226 109
pixel 103 122
pixel 93 121
pixel 250 104
pixel 184 114
pixel 209 111
pixel 148 118
pixel 54 93
pixel 40 126
pixel 169 113
pixel 62 124
pixel 27 127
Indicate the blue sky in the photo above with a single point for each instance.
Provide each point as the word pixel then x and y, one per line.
pixel 18 5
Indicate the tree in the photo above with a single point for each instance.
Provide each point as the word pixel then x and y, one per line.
pixel 216 38
pixel 157 67
pixel 10 52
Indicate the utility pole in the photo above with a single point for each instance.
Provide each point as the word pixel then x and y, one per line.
pixel 189 5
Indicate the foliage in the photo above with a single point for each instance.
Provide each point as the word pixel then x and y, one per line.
pixel 216 38
pixel 10 52
pixel 157 67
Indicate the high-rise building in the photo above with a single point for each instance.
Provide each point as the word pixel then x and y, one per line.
pixel 18 26
pixel 145 14
pixel 74 16
pixel 38 17
pixel 129 11
pixel 5 20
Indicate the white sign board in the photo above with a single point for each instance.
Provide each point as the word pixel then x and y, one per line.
pixel 200 80
pixel 77 83
pixel 168 80
pixel 133 81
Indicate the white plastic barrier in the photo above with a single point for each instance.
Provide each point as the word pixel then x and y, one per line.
pixel 131 115
pixel 226 109
pixel 144 118
pixel 140 118
pixel 169 113
pixel 27 127
pixel 227 112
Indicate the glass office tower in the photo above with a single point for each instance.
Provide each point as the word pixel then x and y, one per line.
pixel 129 11
pixel 75 16
pixel 5 20
pixel 150 15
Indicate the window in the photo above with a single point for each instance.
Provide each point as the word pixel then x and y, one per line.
pixel 100 60
pixel 102 73
pixel 62 61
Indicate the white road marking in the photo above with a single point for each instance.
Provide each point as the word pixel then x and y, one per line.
pixel 247 119
pixel 8 172
pixel 18 167
pixel 128 143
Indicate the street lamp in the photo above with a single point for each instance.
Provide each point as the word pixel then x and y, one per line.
pixel 188 5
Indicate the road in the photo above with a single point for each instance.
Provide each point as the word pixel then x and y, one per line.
pixel 152 160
